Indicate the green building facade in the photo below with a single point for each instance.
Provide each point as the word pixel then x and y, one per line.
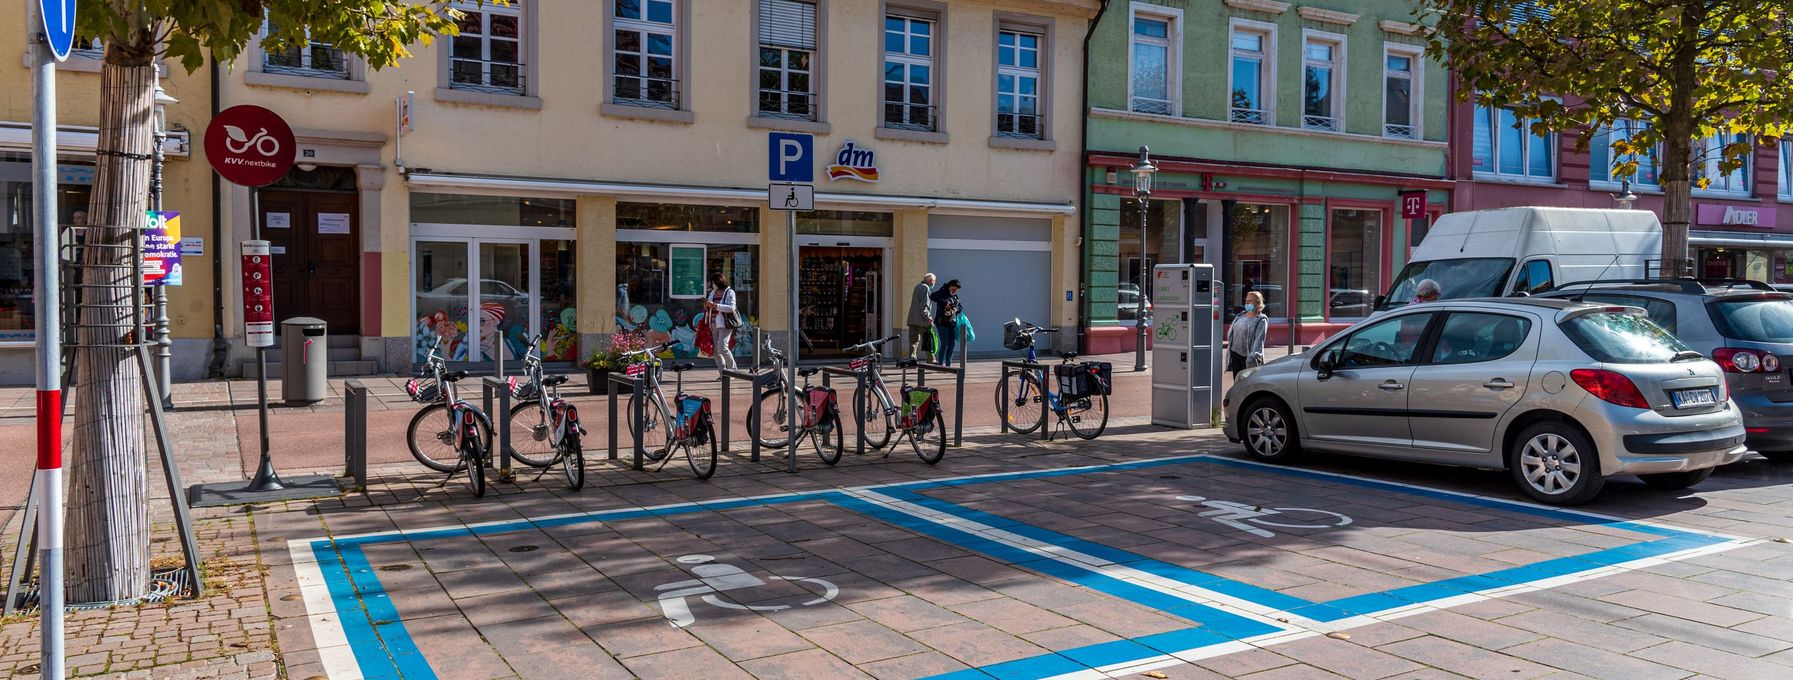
pixel 1286 137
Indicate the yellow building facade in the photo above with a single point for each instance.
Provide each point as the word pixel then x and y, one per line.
pixel 563 171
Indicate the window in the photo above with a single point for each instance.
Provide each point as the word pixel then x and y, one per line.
pixel 87 48
pixel 909 73
pixel 1711 153
pixel 1153 65
pixel 311 59
pixel 1660 311
pixel 1321 79
pixel 1534 278
pixel 1256 257
pixel 1018 112
pixel 1600 161
pixel 1469 337
pixel 1505 147
pixel 487 56
pixel 1386 343
pixel 643 56
pixel 1621 338
pixel 1400 79
pixel 1354 253
pixel 1250 80
pixel 787 51
pixel 1786 170
pixel 18 234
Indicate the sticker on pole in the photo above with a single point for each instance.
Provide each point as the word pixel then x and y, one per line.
pixel 59 26
pixel 249 145
pixel 258 294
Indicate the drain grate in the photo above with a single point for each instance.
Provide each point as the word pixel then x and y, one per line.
pixel 163 585
pixel 395 567
pixel 524 549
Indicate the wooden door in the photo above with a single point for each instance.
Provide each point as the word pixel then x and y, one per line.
pixel 316 255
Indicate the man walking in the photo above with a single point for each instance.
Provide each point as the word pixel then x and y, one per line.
pixel 921 317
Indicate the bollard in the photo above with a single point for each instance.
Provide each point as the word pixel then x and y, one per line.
pixel 355 432
pixel 501 422
pixel 636 416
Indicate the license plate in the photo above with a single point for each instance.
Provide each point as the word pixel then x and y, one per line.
pixel 1695 397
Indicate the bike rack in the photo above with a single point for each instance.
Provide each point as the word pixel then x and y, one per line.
pixel 958 373
pixel 636 416
pixel 502 387
pixel 858 383
pixel 1011 367
pixel 354 443
pixel 757 380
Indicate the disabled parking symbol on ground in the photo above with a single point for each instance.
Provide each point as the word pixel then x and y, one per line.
pixel 1241 516
pixel 714 578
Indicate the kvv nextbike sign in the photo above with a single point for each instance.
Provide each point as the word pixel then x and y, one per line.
pixel 249 145
pixel 162 249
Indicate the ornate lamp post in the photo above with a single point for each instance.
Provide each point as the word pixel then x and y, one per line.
pixel 1142 189
pixel 164 344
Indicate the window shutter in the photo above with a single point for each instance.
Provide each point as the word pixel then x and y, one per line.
pixel 788 23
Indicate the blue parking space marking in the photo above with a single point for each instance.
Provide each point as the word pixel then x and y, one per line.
pixel 382 648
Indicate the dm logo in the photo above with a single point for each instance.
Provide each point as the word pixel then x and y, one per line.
pixel 854 163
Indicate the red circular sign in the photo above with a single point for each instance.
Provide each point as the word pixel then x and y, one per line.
pixel 249 145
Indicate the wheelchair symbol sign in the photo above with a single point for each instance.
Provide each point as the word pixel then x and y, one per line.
pixel 1241 516
pixel 715 578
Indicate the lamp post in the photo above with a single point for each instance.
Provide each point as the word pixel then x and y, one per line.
pixel 1142 189
pixel 164 343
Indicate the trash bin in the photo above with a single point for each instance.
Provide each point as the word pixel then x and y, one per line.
pixel 304 360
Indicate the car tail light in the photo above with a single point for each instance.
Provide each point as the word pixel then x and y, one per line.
pixel 1770 363
pixel 1609 386
pixel 1734 360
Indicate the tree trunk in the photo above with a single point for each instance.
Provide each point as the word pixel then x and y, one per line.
pixel 108 526
pixel 1677 199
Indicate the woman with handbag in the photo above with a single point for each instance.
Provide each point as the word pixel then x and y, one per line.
pixel 1245 340
pixel 719 307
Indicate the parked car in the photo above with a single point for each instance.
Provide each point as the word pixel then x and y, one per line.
pixel 1562 394
pixel 1349 303
pixel 1128 304
pixel 1490 253
pixel 1745 326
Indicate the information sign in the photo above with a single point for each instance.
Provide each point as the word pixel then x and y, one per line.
pixel 685 271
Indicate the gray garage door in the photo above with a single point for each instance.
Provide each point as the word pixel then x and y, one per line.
pixel 1004 266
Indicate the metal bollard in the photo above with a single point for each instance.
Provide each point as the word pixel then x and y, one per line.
pixel 355 432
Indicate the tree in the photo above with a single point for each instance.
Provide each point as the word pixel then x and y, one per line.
pixel 108 521
pixel 1687 70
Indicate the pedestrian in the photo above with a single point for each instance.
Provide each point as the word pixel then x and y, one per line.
pixel 1245 340
pixel 1426 291
pixel 719 306
pixel 921 315
pixel 946 320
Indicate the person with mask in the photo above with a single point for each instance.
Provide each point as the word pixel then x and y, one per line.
pixel 946 320
pixel 1245 340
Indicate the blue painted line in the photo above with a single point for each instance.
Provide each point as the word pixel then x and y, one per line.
pixel 355 610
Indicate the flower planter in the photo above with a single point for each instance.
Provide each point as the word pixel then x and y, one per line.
pixel 597 380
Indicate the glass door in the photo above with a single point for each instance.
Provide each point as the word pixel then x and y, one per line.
pixel 474 296
pixel 441 294
pixel 505 305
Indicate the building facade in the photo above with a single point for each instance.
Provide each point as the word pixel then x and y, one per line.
pixel 526 178
pixel 186 190
pixel 1285 134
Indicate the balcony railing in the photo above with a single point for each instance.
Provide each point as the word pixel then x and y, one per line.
pixel 1321 123
pixel 326 62
pixel 1247 116
pixel 1157 106
pixel 1019 125
pixel 1400 131
pixel 787 104
pixel 647 92
pixel 905 116
pixel 481 75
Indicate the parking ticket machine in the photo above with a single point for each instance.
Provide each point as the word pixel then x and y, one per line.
pixel 1186 358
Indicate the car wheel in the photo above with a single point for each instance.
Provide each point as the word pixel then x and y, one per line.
pixel 1778 456
pixel 1269 432
pixel 1675 481
pixel 1555 463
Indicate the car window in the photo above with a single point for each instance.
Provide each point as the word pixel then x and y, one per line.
pixel 1471 277
pixel 1534 277
pixel 1469 337
pixel 1660 311
pixel 1386 343
pixel 1756 319
pixel 1620 338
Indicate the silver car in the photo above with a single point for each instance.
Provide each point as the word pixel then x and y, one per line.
pixel 1562 394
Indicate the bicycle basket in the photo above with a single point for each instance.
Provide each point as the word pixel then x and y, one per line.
pixel 1071 381
pixel 524 390
pixel 1013 338
pixel 860 363
pixel 423 390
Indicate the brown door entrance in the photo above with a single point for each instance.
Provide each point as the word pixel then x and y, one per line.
pixel 315 237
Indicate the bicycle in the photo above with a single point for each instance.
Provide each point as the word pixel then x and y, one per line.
pixel 1022 400
pixel 551 423
pixel 766 421
pixel 470 433
pixel 435 446
pixel 821 415
pixel 875 420
pixel 689 428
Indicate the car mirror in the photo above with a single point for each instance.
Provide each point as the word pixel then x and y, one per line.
pixel 1381 299
pixel 1323 367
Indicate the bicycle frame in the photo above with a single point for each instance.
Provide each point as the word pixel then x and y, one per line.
pixel 561 412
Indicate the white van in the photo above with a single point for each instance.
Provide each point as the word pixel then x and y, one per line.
pixel 1493 253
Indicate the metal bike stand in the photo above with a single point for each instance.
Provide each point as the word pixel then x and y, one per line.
pixel 636 415
pixel 756 380
pixel 858 383
pixel 958 373
pixel 488 386
pixel 1013 367
pixel 354 427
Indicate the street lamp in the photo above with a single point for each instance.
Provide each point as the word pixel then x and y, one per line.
pixel 1142 189
pixel 164 343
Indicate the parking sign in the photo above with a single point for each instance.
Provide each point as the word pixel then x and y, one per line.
pixel 790 157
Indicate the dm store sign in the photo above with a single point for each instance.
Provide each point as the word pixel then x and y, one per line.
pixel 854 162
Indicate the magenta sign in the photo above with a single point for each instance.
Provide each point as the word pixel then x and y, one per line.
pixel 1736 216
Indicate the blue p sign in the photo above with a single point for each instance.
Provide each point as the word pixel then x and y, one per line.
pixel 59 25
pixel 791 157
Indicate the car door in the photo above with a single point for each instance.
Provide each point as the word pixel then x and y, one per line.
pixel 1363 401
pixel 1477 369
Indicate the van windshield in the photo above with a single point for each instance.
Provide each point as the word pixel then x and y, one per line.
pixel 1465 278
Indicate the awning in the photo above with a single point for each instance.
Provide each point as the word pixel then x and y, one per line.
pixel 567 188
pixel 1731 239
pixel 78 141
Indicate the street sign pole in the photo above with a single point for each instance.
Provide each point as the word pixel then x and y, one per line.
pixel 57 20
pixel 791 165
pixel 790 236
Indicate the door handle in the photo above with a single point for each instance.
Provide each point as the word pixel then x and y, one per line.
pixel 1391 386
pixel 1498 384
pixel 311 268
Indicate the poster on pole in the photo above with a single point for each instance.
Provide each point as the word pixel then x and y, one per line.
pixel 258 294
pixel 685 273
pixel 161 249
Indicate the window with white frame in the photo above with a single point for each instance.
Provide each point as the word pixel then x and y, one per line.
pixel 1322 105
pixel 643 54
pixel 1505 147
pixel 1400 81
pixel 487 55
pixel 1709 153
pixel 1786 170
pixel 87 48
pixel 1018 112
pixel 1154 64
pixel 787 53
pixel 311 59
pixel 1602 157
pixel 909 47
pixel 1250 76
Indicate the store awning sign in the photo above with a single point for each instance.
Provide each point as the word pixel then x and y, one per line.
pixel 854 162
pixel 685 273
pixel 161 249
pixel 1736 216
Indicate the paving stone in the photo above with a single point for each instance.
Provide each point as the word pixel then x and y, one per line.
pixel 1711 662
pixel 976 644
pixel 1594 663
pixel 862 642
pixel 913 666
pixel 1464 659
pixel 1345 657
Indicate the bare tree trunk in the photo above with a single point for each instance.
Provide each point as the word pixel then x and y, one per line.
pixel 1677 197
pixel 108 515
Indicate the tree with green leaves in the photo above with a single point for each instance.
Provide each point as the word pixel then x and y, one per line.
pixel 1683 70
pixel 108 526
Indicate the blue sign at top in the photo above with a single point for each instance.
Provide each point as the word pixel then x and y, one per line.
pixel 59 25
pixel 791 157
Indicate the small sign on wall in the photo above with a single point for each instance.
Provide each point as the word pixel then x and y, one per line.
pixel 685 273
pixel 279 220
pixel 333 223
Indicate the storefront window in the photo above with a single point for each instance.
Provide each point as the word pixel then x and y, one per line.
pixel 17 243
pixel 845 223
pixel 482 288
pixel 1162 230
pixel 1258 258
pixel 500 210
pixel 669 217
pixel 644 300
pixel 1354 250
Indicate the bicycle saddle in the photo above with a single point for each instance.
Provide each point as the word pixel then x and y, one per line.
pixel 907 363
pixel 1067 355
pixel 453 376
pixel 681 368
pixel 808 371
pixel 554 380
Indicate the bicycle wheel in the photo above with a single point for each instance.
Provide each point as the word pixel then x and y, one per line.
pixel 431 438
pixel 1088 416
pixel 532 436
pixel 929 437
pixel 868 413
pixel 473 458
pixel 572 458
pixel 701 466
pixel 1019 402
pixel 830 438
pixel 656 426
pixel 769 424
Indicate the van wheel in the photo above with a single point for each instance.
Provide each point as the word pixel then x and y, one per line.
pixel 1675 481
pixel 1268 431
pixel 1555 463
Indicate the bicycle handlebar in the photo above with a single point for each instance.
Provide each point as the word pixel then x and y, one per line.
pixel 650 351
pixel 872 344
